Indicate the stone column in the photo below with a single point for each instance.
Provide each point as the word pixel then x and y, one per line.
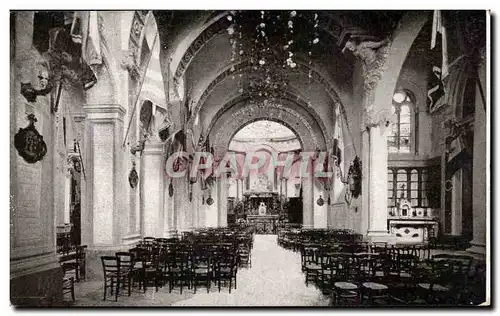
pixel 152 200
pixel 222 200
pixel 103 136
pixel 456 204
pixel 211 211
pixel 377 183
pixel 170 220
pixel 307 196
pixel 286 187
pixel 182 206
pixel 35 271
pixel 480 167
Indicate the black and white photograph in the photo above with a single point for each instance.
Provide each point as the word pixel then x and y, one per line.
pixel 249 158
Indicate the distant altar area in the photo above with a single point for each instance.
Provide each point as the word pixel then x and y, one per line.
pixel 262 209
pixel 263 224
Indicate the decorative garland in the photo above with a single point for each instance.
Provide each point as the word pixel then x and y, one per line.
pixel 354 177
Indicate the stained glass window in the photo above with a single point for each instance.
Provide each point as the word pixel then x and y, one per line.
pixel 400 137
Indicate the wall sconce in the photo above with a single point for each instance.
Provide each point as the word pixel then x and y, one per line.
pixel 30 93
pixel 40 84
pixel 139 147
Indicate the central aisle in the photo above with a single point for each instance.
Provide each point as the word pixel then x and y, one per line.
pixel 275 279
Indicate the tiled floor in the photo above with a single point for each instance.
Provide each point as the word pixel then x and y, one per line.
pixel 274 279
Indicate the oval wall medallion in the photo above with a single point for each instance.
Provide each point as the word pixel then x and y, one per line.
pixel 29 143
pixel 133 178
pixel 320 201
pixel 210 201
pixel 170 189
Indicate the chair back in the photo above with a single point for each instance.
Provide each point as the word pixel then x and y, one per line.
pixel 125 261
pixel 81 253
pixel 110 266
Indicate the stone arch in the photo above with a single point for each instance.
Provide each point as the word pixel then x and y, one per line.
pixel 245 65
pixel 332 27
pixel 405 34
pixel 267 147
pixel 223 130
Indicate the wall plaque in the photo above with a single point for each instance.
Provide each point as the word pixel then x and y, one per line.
pixel 133 177
pixel 29 143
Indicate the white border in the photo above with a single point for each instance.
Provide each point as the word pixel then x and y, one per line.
pixel 213 4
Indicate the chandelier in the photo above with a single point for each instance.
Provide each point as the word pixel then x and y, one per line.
pixel 269 41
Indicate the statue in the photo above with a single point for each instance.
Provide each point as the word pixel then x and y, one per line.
pixel 262 208
pixel 366 51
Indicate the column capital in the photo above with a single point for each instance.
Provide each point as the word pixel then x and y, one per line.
pixel 373 56
pixel 104 112
pixel 153 147
pixel 377 117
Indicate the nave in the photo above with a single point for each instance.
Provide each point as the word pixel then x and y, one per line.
pixel 274 279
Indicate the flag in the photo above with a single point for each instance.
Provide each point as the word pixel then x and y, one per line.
pixel 338 138
pixel 438 57
pixel 85 32
pixel 91 40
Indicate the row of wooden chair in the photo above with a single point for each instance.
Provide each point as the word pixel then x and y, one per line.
pixel 390 278
pixel 200 258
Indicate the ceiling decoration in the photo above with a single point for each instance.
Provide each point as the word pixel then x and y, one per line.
pixel 264 130
pixel 287 98
pixel 251 88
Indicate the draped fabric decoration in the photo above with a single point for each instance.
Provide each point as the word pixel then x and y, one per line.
pixel 85 31
pixel 354 180
pixel 163 122
pixel 338 140
pixel 70 55
pixel 208 178
pixel 177 144
pixel 438 68
pixel 146 115
pixel 326 181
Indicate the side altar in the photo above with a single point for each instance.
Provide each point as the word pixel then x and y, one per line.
pixel 409 225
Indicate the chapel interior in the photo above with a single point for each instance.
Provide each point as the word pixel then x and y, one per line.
pixel 396 100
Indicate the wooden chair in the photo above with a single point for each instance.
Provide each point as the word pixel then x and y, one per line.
pixel 201 267
pixel 444 283
pixel 226 268
pixel 312 268
pixel 77 266
pixel 179 269
pixel 111 269
pixel 345 290
pixel 69 287
pixel 371 292
pixel 125 273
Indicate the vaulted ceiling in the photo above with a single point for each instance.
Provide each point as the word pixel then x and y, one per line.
pixel 221 56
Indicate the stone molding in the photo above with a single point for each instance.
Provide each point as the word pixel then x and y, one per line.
pixel 128 62
pixel 104 112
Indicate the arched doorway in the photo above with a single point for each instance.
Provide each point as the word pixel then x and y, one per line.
pixel 308 139
pixel 263 196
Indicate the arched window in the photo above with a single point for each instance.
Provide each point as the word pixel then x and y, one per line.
pixel 401 135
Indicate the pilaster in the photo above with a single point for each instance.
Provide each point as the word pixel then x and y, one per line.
pixel 152 200
pixel 101 195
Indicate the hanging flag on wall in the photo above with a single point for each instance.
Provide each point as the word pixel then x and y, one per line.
pixel 438 68
pixel 338 137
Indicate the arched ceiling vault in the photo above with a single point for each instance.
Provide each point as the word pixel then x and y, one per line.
pixel 246 111
pixel 287 99
pixel 198 48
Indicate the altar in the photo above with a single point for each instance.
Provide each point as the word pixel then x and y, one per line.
pixel 262 209
pixel 263 224
pixel 411 225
